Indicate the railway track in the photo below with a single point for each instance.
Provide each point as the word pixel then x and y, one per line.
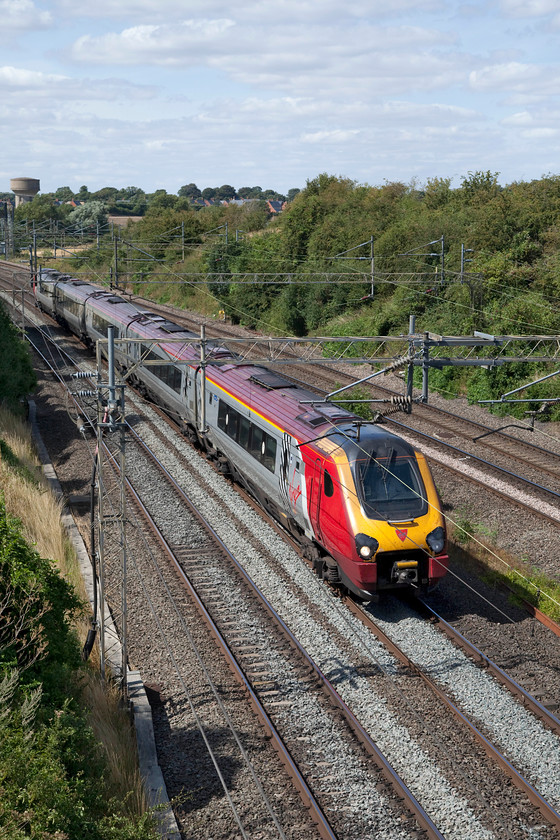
pixel 501 826
pixel 275 686
pixel 283 682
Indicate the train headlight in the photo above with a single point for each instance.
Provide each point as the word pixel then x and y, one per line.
pixel 366 547
pixel 436 540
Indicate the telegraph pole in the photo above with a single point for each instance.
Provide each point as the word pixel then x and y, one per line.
pixel 111 514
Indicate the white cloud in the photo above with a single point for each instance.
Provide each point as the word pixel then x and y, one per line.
pixel 52 88
pixel 541 12
pixel 530 8
pixel 336 136
pixel 541 133
pixel 183 43
pixel 22 16
pixel 16 77
pixel 522 118
pixel 310 11
pixel 511 75
pixel 350 59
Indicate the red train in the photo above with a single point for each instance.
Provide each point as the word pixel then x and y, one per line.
pixel 359 499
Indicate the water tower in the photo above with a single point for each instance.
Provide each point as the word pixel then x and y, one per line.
pixel 25 189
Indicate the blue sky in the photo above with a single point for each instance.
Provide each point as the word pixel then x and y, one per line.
pixel 161 93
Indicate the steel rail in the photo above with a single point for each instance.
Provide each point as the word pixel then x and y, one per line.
pixel 479 460
pixel 314 809
pixel 367 742
pixel 548 812
pixel 540 711
pixel 306 794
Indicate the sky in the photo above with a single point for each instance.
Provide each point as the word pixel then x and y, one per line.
pixel 161 93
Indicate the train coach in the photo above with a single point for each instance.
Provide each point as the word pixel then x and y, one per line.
pixel 360 500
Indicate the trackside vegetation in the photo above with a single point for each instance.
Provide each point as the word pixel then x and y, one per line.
pixel 478 256
pixel 57 775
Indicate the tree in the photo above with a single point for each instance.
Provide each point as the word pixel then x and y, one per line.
pixel 250 192
pixel 40 209
pixel 88 215
pixel 209 193
pixel 162 199
pixel 83 193
pixel 161 230
pixel 437 192
pixel 105 194
pixel 292 193
pixel 479 186
pixel 189 191
pixel 226 192
pixel 64 194
pixel 17 377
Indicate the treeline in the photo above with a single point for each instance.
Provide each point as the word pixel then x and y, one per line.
pixel 477 256
pixel 134 201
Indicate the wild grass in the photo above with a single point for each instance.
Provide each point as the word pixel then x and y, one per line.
pixel 474 543
pixel 112 728
pixel 29 499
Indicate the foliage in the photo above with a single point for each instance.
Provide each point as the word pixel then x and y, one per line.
pixel 189 191
pixel 52 769
pixel 161 230
pixel 480 256
pixel 40 209
pixel 88 215
pixel 17 377
pixel 36 606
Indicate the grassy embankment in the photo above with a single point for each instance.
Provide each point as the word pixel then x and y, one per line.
pixel 68 765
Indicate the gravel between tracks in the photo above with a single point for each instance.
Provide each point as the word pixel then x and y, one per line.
pixel 510 723
pixel 455 823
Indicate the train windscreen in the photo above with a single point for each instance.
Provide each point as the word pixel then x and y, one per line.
pixel 390 487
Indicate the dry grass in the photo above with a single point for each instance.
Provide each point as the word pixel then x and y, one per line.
pixel 28 498
pixel 111 725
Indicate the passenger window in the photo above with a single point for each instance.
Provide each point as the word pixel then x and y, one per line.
pixel 222 416
pixel 256 445
pixel 269 452
pixel 328 484
pixel 243 432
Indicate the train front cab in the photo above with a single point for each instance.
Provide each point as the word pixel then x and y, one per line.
pixel 379 517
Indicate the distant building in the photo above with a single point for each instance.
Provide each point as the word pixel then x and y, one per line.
pixel 25 189
pixel 276 206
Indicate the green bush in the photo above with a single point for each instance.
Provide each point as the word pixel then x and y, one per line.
pixel 52 769
pixel 17 377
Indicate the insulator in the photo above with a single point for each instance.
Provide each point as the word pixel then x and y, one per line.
pixel 82 374
pixel 84 394
pixel 398 364
pixel 402 401
pixel 396 403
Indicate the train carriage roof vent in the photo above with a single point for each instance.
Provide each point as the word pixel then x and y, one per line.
pixel 108 297
pixel 170 327
pixel 333 411
pixel 311 418
pixel 271 381
pixel 75 282
pixel 325 412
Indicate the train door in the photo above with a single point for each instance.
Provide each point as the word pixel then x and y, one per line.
pixel 200 397
pixel 286 464
pixel 315 497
